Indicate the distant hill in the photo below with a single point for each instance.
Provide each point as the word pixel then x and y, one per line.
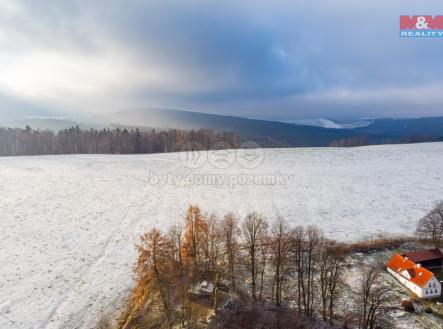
pixel 320 132
pixel 405 127
pixel 49 124
pixel 300 133
pixel 270 133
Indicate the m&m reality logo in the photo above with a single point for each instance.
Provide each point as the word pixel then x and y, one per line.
pixel 424 26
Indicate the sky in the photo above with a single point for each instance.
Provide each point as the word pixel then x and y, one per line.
pixel 279 59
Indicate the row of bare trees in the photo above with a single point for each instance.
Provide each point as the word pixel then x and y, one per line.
pixel 269 262
pixel 108 141
pixel 300 257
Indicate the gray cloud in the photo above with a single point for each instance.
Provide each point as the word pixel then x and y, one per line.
pixel 275 59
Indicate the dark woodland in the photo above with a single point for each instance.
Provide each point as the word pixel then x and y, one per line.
pixel 15 141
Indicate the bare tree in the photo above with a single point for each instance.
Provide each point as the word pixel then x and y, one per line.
pixel 297 241
pixel 254 228
pixel 331 269
pixel 230 233
pixel 374 295
pixel 154 274
pixel 430 227
pixel 213 250
pixel 306 244
pixel 212 243
pixel 280 243
pixel 193 245
pixel 263 252
pixel 176 236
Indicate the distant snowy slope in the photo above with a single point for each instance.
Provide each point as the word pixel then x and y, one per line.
pixel 326 123
pixel 68 224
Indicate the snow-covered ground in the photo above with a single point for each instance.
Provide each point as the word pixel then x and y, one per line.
pixel 327 123
pixel 68 224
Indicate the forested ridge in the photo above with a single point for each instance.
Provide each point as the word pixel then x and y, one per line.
pixel 74 140
pixel 28 141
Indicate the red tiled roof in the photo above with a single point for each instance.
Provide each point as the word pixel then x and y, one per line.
pixel 419 275
pixel 424 255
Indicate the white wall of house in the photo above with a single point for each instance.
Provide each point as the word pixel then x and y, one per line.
pixel 432 288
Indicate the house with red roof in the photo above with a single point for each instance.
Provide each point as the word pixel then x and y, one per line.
pixel 428 258
pixel 413 276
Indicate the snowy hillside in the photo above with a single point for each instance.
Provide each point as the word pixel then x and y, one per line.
pixel 326 123
pixel 68 224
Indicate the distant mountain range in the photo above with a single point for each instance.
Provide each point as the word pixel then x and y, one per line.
pixel 317 132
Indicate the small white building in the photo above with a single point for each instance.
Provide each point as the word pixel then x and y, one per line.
pixel 413 276
pixel 203 288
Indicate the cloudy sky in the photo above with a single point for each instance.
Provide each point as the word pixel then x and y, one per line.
pixel 266 59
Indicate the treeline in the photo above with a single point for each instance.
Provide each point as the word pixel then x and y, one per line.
pixel 16 141
pixel 364 140
pixel 257 266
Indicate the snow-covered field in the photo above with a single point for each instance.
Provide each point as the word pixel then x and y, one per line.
pixel 68 224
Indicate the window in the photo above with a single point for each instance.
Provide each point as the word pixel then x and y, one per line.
pixel 426 291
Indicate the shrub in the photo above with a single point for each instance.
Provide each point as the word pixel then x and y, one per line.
pixel 104 323
pixel 408 306
pixel 378 244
